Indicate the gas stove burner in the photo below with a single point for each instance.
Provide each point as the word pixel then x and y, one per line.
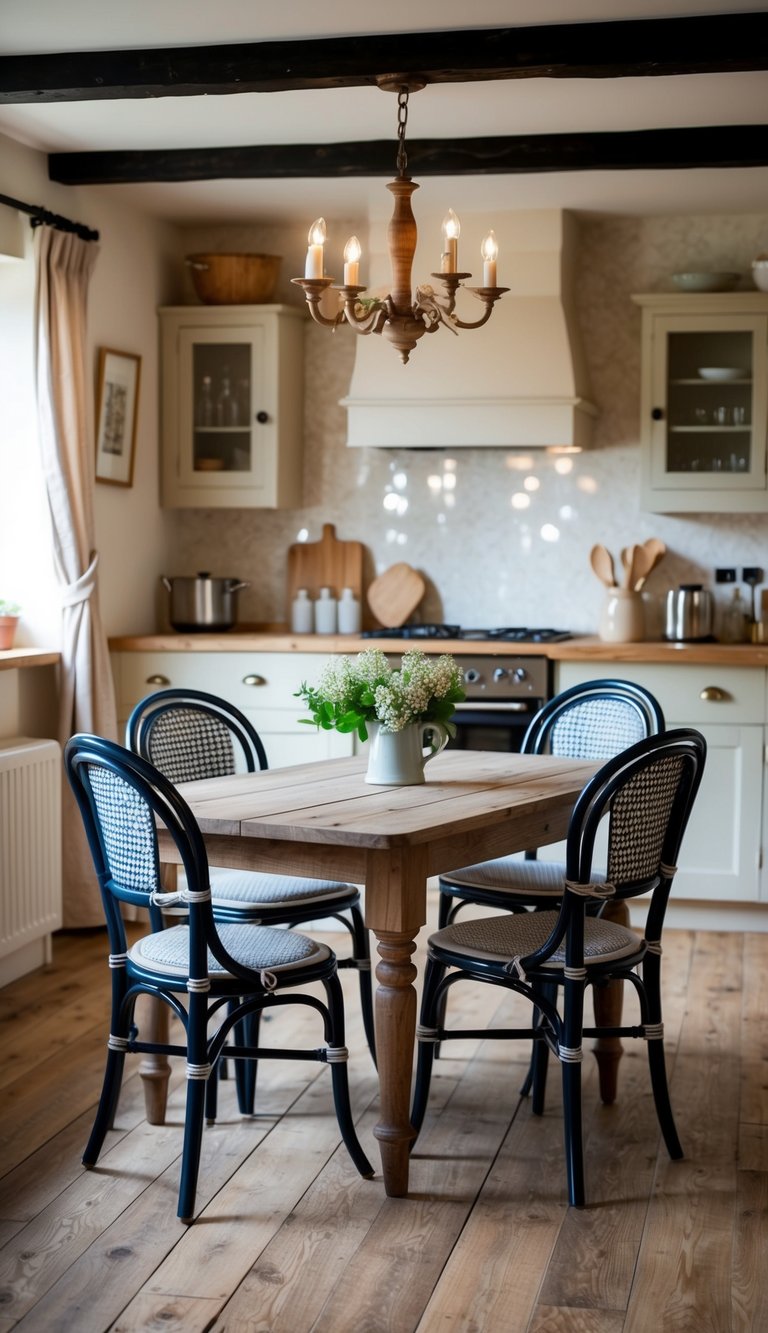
pixel 414 632
pixel 517 635
pixel 505 635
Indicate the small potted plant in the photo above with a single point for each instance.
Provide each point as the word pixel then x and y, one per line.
pixel 406 710
pixel 9 618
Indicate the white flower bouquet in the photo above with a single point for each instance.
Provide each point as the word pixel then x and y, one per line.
pixel 355 690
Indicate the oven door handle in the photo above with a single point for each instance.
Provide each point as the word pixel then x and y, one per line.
pixel 510 706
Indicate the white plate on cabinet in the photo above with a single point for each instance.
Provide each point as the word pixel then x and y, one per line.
pixel 721 373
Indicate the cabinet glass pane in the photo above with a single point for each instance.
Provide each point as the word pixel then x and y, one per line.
pixel 221 384
pixel 709 400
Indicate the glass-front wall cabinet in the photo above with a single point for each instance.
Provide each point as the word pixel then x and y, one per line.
pixel 704 403
pixel 222 375
pixel 232 406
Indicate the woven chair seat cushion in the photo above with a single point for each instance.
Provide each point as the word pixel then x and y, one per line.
pixel 261 948
pixel 253 889
pixel 535 879
pixel 502 938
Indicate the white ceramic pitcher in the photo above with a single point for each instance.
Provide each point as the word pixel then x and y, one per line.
pixel 397 758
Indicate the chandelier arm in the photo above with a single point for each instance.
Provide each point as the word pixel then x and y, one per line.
pixel 489 295
pixel 371 322
pixel 313 290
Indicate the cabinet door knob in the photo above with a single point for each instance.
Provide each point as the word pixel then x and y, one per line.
pixel 157 680
pixel 262 417
pixel 657 414
pixel 714 695
pixel 254 680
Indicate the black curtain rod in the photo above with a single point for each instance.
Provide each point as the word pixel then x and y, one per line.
pixel 43 217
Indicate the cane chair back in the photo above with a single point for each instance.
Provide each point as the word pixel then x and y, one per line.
pixel 213 977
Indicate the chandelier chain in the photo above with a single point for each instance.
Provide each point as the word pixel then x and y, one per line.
pixel 402 121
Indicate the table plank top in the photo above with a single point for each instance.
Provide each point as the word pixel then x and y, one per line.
pixel 329 801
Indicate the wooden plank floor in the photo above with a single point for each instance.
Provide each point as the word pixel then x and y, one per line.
pixel 290 1239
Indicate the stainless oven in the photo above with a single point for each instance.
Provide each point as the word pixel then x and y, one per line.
pixel 503 694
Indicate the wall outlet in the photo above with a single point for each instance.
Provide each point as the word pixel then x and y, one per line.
pixel 725 576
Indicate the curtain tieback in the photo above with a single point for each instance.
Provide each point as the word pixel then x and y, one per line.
pixel 82 588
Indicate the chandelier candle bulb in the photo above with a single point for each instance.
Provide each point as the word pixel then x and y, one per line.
pixel 489 250
pixel 313 267
pixel 451 231
pixel 352 253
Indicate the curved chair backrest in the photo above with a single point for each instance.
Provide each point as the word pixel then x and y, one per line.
pixel 121 797
pixel 188 734
pixel 648 791
pixel 595 720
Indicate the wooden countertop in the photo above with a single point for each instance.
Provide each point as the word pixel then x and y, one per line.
pixel 276 639
pixel 10 658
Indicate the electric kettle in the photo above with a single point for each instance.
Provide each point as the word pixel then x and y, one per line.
pixel 690 612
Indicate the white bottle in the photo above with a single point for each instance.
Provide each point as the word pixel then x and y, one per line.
pixel 325 612
pixel 349 613
pixel 302 616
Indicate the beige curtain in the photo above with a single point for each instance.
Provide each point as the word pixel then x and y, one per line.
pixel 87 703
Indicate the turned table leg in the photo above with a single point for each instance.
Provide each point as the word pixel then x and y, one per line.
pixel 395 1035
pixel 395 909
pixel 154 1019
pixel 608 1005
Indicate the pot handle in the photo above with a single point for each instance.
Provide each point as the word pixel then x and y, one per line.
pixel 166 582
pixel 235 587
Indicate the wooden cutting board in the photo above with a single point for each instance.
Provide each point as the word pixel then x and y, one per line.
pixel 395 594
pixel 329 563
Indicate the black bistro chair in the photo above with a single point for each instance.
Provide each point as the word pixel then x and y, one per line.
pixel 647 793
pixel 593 720
pixel 188 734
pixel 212 975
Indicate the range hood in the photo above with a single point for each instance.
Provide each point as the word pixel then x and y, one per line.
pixel 520 381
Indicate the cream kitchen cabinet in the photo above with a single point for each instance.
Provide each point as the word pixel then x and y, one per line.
pixel 232 406
pixel 721 855
pixel 262 685
pixel 704 402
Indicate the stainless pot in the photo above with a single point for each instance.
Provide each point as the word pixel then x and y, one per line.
pixel 690 612
pixel 203 603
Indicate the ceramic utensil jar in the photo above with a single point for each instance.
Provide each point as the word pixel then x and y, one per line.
pixel 622 619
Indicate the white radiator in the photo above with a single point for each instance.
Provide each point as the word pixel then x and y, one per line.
pixel 30 853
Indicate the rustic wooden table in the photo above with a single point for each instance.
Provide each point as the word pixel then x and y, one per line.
pixel 323 820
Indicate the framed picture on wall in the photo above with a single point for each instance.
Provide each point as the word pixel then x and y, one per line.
pixel 117 401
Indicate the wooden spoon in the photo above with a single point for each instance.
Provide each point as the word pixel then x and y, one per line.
pixel 640 568
pixel 656 549
pixel 601 561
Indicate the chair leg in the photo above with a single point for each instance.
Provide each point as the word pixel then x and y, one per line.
pixel 432 1008
pixel 574 1151
pixel 245 1070
pixel 540 1060
pixel 105 1113
pixel 656 1062
pixel 361 952
pixel 570 1040
pixel 212 1095
pixel 340 1079
pixel 193 1140
pixel 444 904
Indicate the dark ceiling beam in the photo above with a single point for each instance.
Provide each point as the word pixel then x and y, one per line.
pixel 702 146
pixel 668 46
